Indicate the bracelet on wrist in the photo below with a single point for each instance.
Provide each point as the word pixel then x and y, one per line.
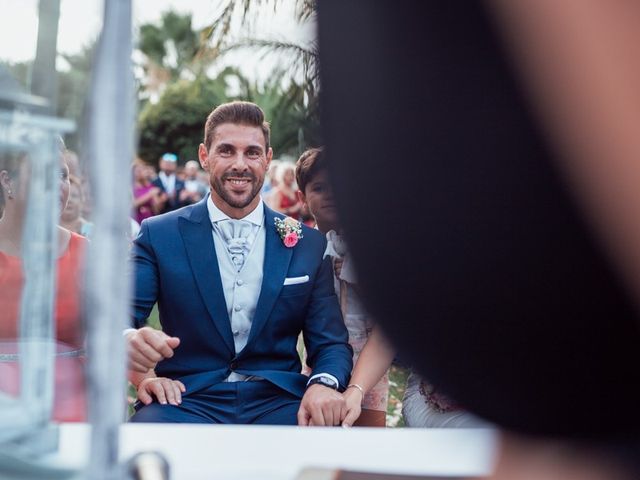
pixel 355 385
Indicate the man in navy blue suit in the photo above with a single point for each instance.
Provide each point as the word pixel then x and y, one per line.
pixel 235 284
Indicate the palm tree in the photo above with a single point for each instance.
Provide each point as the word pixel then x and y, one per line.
pixel 292 114
pixel 301 57
pixel 169 51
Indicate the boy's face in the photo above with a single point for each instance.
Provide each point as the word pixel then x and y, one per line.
pixel 319 199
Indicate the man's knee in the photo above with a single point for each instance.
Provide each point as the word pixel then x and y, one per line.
pixel 157 413
pixel 285 414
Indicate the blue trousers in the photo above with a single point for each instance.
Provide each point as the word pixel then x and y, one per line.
pixel 259 403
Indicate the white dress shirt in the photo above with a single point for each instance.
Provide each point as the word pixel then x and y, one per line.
pixel 168 182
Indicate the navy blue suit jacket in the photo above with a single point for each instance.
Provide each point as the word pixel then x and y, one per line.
pixel 176 265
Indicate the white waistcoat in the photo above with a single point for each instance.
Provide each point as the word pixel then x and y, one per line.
pixel 241 289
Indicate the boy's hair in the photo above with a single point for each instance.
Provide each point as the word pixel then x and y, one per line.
pixel 308 166
pixel 239 113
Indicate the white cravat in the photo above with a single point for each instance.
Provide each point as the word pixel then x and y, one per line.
pixel 238 235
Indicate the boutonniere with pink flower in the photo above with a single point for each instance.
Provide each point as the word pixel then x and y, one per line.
pixel 290 231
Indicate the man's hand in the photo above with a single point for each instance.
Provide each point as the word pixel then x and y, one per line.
pixel 321 406
pixel 147 346
pixel 164 389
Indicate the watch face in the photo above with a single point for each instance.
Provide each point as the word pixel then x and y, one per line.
pixel 327 382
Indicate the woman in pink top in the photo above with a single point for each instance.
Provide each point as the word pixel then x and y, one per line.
pixel 146 196
pixel 69 393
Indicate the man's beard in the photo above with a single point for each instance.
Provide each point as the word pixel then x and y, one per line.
pixel 218 186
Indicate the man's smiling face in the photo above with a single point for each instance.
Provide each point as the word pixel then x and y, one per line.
pixel 236 162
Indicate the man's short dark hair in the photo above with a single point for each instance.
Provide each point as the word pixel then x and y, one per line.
pixel 308 166
pixel 239 113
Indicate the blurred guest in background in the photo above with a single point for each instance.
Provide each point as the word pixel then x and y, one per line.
pixel 147 199
pixel 71 217
pixel 270 183
pixel 169 184
pixel 284 198
pixel 194 190
pixel 69 394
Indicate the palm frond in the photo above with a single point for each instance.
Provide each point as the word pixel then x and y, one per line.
pixel 304 57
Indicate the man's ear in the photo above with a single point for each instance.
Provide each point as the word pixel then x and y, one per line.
pixel 269 157
pixel 203 156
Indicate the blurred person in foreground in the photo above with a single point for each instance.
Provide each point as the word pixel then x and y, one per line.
pixel 235 284
pixel 515 246
pixel 69 387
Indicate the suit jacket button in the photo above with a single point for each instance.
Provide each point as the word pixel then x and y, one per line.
pixel 233 365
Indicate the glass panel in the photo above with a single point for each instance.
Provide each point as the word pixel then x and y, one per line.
pixel 35 184
pixel 41 262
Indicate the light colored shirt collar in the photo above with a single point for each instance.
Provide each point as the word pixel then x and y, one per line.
pixel 215 214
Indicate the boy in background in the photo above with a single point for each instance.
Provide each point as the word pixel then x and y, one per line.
pixel 368 393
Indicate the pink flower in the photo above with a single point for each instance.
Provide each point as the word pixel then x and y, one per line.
pixel 290 239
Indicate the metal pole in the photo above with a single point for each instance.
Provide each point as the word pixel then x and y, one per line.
pixel 39 248
pixel 111 115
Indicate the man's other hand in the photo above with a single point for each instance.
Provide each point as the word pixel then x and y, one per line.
pixel 164 389
pixel 321 406
pixel 147 346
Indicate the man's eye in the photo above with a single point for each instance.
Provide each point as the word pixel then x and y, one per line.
pixel 224 151
pixel 253 153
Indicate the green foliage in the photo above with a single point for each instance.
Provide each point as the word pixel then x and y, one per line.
pixel 73 88
pixel 175 123
pixel 292 114
pixel 397 385
pixel 170 46
pixel 295 58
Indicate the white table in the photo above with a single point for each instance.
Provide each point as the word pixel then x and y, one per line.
pixel 223 452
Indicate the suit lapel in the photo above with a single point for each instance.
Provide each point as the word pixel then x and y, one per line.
pixel 276 264
pixel 198 239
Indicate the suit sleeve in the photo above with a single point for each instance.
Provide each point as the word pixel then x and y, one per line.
pixel 145 277
pixel 325 335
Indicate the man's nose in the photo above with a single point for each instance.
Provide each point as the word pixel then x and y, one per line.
pixel 240 162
